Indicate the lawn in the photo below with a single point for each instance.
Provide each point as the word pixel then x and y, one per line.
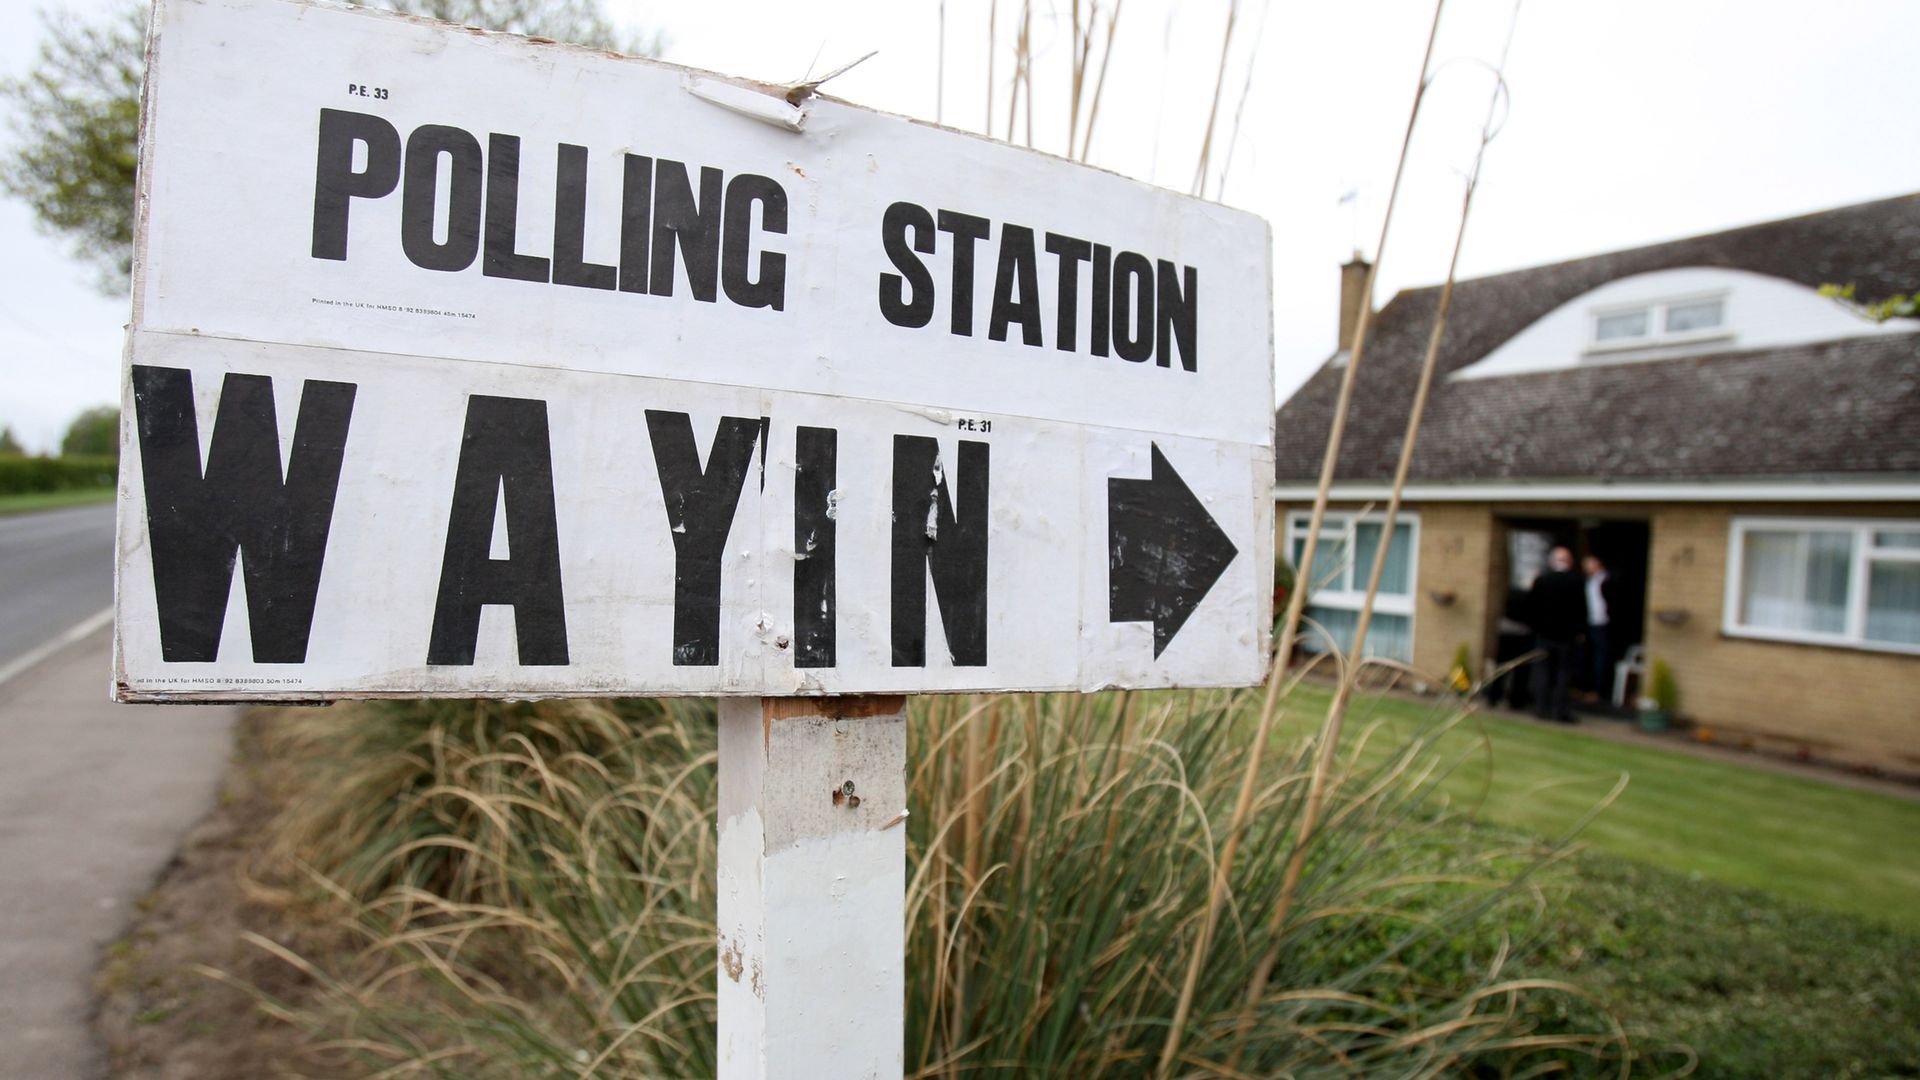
pixel 53 500
pixel 1750 986
pixel 1821 844
pixel 1742 923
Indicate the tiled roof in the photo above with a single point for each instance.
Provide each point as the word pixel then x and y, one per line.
pixel 1835 408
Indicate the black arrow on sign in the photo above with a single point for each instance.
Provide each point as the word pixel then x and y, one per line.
pixel 1164 551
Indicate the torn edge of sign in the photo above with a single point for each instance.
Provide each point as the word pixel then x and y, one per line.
pixel 759 105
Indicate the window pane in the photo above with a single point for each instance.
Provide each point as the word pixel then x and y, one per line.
pixel 1332 629
pixel 1770 572
pixel 1390 636
pixel 1796 580
pixel 1901 539
pixel 1329 556
pixel 1829 568
pixel 1620 325
pixel 1394 580
pixel 1893 602
pixel 1366 540
pixel 1332 561
pixel 1397 579
pixel 1696 315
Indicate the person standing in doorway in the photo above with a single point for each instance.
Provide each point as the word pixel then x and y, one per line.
pixel 1599 607
pixel 1557 603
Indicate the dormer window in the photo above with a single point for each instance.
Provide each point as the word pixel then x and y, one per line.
pixel 1696 316
pixel 1685 311
pixel 1666 322
pixel 1622 326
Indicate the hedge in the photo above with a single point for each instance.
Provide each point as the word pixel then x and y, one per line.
pixel 24 475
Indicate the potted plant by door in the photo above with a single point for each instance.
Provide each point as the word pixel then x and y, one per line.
pixel 1662 699
pixel 1459 677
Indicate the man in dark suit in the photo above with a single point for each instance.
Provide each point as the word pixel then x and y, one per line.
pixel 1557 604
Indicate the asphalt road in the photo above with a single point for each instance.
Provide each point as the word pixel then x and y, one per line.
pixel 94 797
pixel 56 570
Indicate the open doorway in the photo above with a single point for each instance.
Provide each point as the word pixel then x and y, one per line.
pixel 1621 546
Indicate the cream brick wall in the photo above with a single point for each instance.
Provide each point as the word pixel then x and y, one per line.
pixel 1850 705
pixel 1455 590
pixel 1846 704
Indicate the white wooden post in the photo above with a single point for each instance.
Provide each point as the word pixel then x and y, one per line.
pixel 812 876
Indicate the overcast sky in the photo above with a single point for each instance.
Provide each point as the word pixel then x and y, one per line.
pixel 1631 121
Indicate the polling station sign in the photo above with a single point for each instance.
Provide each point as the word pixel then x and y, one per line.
pixel 471 365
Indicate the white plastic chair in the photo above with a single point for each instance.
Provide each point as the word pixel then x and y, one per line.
pixel 1632 664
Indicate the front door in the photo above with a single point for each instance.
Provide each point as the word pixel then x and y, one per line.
pixel 1622 546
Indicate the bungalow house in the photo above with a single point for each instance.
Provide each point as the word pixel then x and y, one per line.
pixel 1741 451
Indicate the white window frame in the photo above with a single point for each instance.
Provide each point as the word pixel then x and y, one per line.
pixel 1599 314
pixel 1351 599
pixel 1657 335
pixel 1864 552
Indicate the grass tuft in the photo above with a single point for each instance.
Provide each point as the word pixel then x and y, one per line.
pixel 532 886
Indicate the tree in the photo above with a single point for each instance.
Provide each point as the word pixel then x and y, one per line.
pixel 94 433
pixel 9 446
pixel 76 118
pixel 1896 306
pixel 76 121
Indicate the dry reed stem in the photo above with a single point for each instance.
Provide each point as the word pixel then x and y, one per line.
pixel 1078 44
pixel 1013 82
pixel 1026 62
pixel 1296 601
pixel 1217 896
pixel 1240 107
pixel 973 829
pixel 1176 1031
pixel 1336 710
pixel 1099 84
pixel 1213 109
pixel 993 37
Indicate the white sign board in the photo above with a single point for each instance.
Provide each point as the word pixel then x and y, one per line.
pixel 468 365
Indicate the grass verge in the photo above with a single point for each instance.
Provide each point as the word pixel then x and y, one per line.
pixel 27 502
pixel 1752 986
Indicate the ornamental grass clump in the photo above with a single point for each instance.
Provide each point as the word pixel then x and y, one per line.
pixel 548 909
pixel 430 794
pixel 1061 850
pixel 1067 861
